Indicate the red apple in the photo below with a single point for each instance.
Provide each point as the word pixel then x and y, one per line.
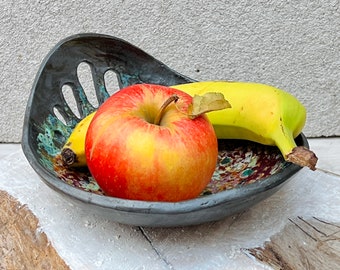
pixel 132 155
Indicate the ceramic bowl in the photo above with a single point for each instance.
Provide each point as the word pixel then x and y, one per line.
pixel 246 172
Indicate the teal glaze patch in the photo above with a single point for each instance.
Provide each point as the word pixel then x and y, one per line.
pixel 246 173
pixel 226 160
pixel 50 140
pixel 53 136
pixel 126 79
pixel 86 107
pixel 103 92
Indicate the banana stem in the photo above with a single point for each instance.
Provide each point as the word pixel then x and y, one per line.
pixel 298 155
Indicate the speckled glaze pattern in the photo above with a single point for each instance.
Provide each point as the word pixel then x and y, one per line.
pixel 242 162
pixel 239 163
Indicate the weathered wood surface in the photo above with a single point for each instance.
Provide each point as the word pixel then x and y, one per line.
pixel 310 243
pixel 22 244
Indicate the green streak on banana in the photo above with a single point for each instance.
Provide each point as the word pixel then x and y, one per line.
pixel 73 152
pixel 258 113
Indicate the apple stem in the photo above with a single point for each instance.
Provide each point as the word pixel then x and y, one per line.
pixel 159 116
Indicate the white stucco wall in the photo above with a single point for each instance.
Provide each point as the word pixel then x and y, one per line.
pixel 293 45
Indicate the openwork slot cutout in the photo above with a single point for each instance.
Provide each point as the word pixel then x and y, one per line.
pixel 84 99
pixel 57 114
pixel 111 82
pixel 70 99
pixel 85 78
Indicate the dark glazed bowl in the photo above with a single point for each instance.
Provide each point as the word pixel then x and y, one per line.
pixel 246 172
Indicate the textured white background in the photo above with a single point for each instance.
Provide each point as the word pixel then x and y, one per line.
pixel 293 45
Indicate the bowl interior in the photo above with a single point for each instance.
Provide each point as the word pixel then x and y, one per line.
pixel 239 163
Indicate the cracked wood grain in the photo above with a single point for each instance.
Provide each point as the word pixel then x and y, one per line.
pixel 304 243
pixel 22 245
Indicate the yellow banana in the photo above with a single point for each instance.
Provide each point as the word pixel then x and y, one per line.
pixel 73 152
pixel 259 113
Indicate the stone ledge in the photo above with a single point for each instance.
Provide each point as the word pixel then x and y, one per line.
pixel 22 244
